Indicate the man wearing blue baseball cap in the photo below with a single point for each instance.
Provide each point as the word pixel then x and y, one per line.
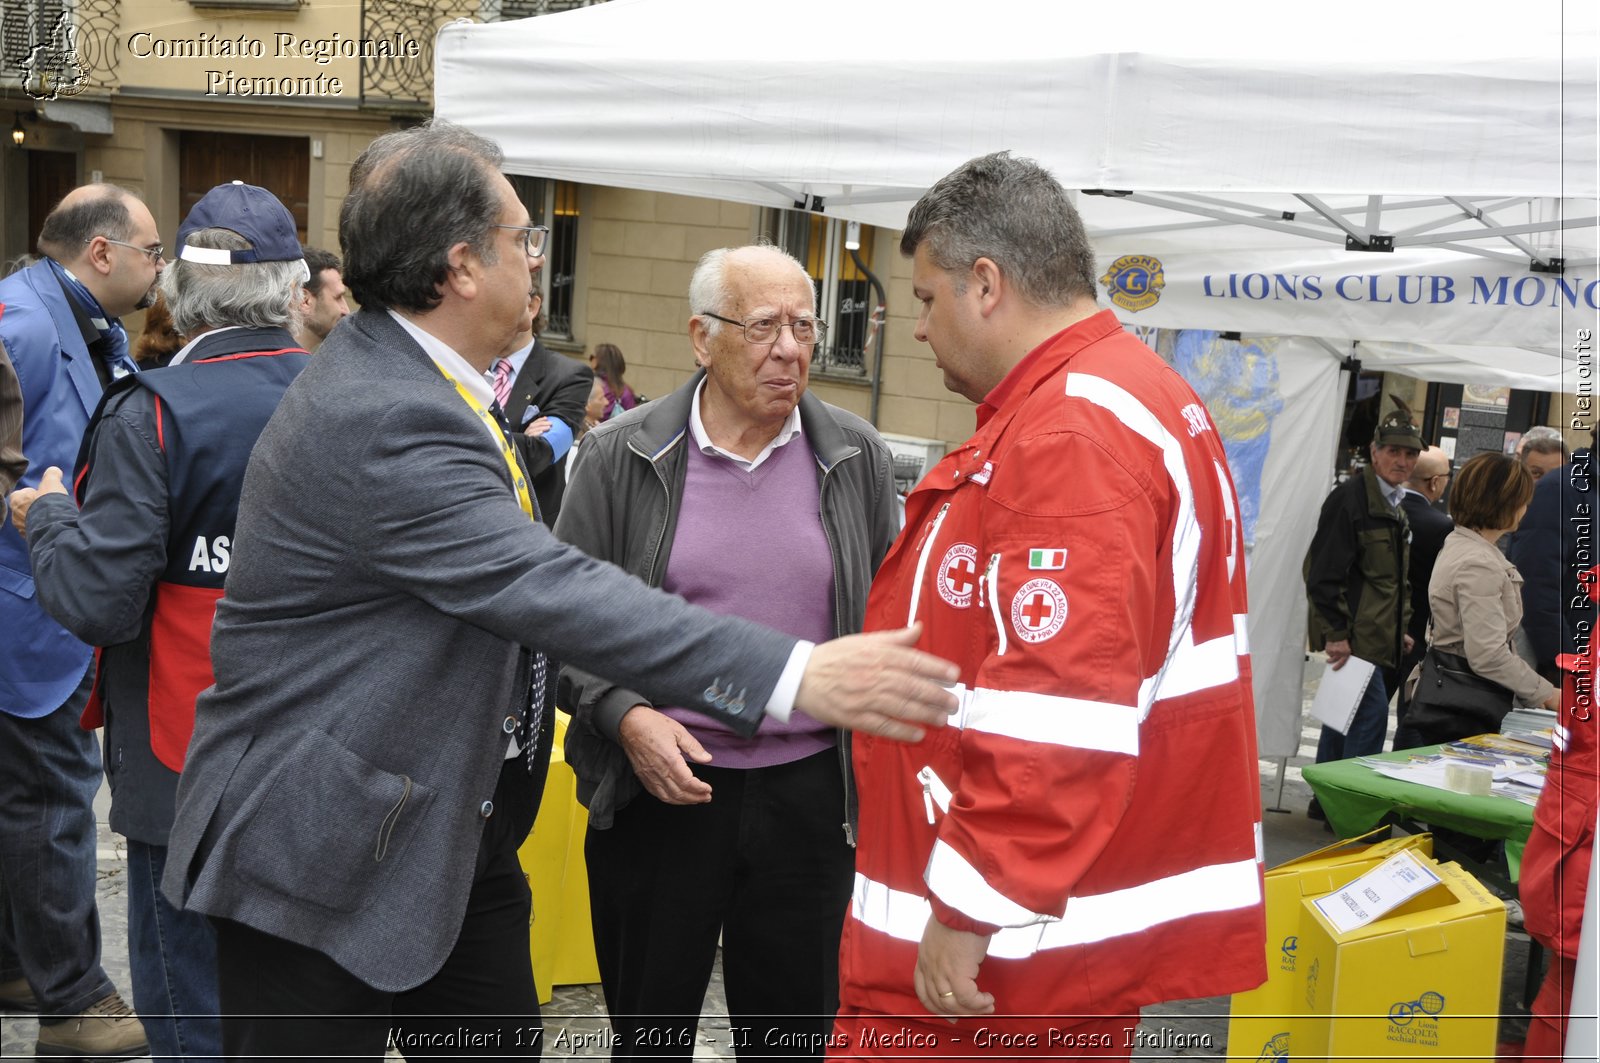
pixel 138 569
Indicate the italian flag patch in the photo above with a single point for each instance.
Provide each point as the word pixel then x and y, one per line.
pixel 1047 560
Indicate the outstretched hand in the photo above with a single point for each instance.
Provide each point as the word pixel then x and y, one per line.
pixel 878 683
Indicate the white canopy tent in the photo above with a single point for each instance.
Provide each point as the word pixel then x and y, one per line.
pixel 1254 131
pixel 1334 163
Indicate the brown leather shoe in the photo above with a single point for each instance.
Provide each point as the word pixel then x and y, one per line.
pixel 17 995
pixel 106 1029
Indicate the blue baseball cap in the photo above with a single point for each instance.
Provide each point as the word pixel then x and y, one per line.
pixel 253 213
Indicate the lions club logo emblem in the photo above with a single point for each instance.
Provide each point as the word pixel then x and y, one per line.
pixel 1038 610
pixel 1134 282
pixel 958 575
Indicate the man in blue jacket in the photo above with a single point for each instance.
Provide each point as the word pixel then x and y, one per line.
pixel 1553 549
pixel 59 324
pixel 139 569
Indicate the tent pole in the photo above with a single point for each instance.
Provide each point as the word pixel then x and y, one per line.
pixel 1277 802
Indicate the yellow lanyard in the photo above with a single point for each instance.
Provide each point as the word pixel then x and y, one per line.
pixel 524 499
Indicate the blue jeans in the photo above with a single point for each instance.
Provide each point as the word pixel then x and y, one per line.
pixel 49 923
pixel 1367 728
pixel 173 958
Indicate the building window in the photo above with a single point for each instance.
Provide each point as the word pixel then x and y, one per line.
pixel 845 298
pixel 506 10
pixel 26 26
pixel 554 203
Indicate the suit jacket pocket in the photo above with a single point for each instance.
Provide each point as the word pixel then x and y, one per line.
pixel 332 826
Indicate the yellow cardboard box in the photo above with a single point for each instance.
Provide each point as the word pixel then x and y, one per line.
pixel 559 935
pixel 1422 981
pixel 1258 1021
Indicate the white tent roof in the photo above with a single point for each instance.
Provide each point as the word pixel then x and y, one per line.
pixel 1258 130
pixel 1462 135
pixel 865 102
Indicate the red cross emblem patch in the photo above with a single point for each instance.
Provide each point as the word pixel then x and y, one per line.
pixel 958 575
pixel 1038 610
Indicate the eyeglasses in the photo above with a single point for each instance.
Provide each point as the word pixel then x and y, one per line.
pixel 154 252
pixel 806 330
pixel 533 237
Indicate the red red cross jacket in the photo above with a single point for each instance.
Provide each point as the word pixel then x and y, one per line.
pixel 1095 804
pixel 1555 864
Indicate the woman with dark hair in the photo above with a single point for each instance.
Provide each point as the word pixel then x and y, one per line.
pixel 1476 597
pixel 158 341
pixel 608 366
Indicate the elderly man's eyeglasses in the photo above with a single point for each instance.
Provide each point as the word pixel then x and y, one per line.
pixel 153 252
pixel 805 330
pixel 533 237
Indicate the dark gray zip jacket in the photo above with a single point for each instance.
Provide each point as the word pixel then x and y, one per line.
pixel 622 506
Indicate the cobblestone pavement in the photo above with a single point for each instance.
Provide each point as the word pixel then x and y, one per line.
pixel 575 1020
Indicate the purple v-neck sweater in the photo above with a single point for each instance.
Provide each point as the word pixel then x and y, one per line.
pixel 751 544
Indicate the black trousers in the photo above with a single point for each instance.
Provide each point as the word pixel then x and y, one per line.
pixel 281 1000
pixel 766 864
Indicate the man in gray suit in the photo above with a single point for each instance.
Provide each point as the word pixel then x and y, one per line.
pixel 356 787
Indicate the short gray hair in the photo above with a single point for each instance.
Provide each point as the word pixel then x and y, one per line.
pixel 1012 211
pixel 708 286
pixel 1542 439
pixel 251 294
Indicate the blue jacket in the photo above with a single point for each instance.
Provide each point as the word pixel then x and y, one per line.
pixel 42 664
pixel 1553 546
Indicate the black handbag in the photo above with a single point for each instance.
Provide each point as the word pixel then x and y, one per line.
pixel 1451 701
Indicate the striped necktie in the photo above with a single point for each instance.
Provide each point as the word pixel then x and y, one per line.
pixel 502 382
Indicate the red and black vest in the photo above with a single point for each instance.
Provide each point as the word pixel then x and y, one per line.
pixel 209 412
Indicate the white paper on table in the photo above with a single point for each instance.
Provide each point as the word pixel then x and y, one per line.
pixel 1339 692
pixel 1379 891
pixel 1425 773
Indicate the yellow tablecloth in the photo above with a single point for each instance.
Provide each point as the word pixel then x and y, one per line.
pixel 560 937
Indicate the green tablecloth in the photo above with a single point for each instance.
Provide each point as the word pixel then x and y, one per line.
pixel 1356 799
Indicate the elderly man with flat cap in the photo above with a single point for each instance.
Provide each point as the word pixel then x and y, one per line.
pixel 1357 574
pixel 138 569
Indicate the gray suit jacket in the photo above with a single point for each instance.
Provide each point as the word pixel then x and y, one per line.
pixel 368 652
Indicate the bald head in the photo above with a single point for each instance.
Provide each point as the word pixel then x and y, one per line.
pixel 84 213
pixel 719 272
pixel 1432 474
pixel 107 237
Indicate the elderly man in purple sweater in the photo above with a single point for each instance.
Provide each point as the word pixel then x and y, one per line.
pixel 744 494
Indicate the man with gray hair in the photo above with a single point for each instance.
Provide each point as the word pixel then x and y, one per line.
pixel 1429 529
pixel 1542 449
pixel 744 493
pixel 138 570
